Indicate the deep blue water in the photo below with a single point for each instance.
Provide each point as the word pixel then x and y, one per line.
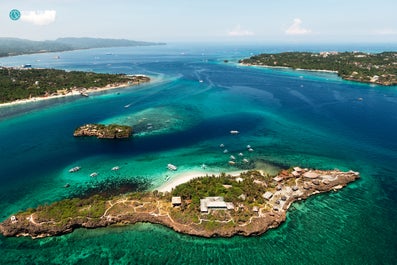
pixel 290 118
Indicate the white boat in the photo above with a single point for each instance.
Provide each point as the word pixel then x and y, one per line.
pixel 171 167
pixel 250 150
pixel 225 151
pixel 248 146
pixel 203 166
pixel 221 145
pixel 240 154
pixel 232 163
pixel 166 178
pixel 74 169
pixel 234 132
pixel 245 160
pixel 115 168
pixel 93 174
pixel 232 157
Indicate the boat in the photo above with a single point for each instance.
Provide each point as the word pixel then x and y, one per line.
pixel 94 174
pixel 232 163
pixel 166 178
pixel 248 146
pixel 225 151
pixel 74 169
pixel 240 154
pixel 203 166
pixel 115 168
pixel 84 94
pixel 245 160
pixel 232 157
pixel 171 167
pixel 221 145
pixel 250 150
pixel 234 132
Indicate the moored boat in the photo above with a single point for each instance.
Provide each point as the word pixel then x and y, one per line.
pixel 74 169
pixel 172 167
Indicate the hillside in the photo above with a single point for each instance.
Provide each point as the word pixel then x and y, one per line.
pixel 15 46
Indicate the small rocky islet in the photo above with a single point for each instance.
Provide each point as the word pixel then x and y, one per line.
pixel 101 131
pixel 221 206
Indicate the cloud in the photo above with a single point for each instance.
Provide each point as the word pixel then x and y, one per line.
pixel 387 31
pixel 39 17
pixel 297 29
pixel 238 31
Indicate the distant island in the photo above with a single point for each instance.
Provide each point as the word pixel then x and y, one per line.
pixel 375 68
pixel 15 46
pixel 210 206
pixel 29 84
pixel 101 131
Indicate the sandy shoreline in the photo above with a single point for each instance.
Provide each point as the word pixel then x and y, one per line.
pixel 286 67
pixel 188 175
pixel 74 92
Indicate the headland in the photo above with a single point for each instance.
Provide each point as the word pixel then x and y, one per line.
pixel 373 68
pixel 212 206
pixel 24 85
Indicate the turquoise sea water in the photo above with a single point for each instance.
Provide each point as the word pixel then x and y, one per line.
pixel 289 117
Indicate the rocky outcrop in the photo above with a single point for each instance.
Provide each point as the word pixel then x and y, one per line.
pixel 112 131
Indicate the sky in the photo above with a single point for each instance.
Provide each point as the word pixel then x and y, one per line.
pixel 260 21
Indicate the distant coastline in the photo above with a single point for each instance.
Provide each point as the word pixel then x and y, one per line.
pixel 379 68
pixel 16 46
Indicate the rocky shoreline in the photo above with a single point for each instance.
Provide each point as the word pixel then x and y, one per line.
pixel 286 188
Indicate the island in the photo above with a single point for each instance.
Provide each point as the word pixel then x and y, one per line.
pixel 30 84
pixel 101 131
pixel 210 206
pixel 375 68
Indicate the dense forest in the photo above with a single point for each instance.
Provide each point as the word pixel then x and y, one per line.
pixel 25 83
pixel 378 68
pixel 15 46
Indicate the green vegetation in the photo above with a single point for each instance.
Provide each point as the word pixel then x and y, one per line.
pixel 104 131
pixel 24 83
pixel 15 46
pixel 246 193
pixel 378 68
pixel 59 212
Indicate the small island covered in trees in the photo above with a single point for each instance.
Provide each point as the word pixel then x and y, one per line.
pixel 376 68
pixel 26 83
pixel 248 204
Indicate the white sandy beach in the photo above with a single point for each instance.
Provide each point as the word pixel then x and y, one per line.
pixel 184 177
pixel 287 67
